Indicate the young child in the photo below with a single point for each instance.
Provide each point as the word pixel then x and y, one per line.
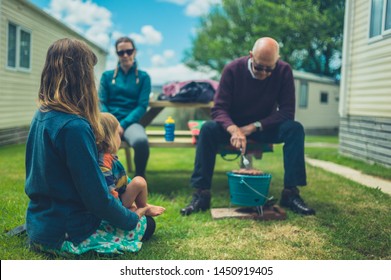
pixel 132 193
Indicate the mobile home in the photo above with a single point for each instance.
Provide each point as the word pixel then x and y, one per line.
pixel 365 107
pixel 26 32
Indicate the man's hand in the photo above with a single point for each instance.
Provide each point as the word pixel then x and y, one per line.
pixel 248 129
pixel 238 138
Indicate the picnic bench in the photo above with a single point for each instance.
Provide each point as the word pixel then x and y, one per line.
pixel 183 138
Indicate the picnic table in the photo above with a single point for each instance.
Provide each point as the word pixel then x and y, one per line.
pixel 155 107
pixel 183 138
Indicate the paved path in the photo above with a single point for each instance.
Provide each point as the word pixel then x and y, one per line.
pixel 319 144
pixel 352 174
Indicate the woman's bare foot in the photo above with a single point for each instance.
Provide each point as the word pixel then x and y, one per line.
pixel 153 210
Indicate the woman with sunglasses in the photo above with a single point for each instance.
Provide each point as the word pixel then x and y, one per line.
pixel 124 92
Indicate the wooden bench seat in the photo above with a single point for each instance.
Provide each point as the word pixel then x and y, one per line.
pixel 183 139
pixel 178 133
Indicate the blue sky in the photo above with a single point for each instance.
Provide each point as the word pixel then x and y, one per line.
pixel 162 29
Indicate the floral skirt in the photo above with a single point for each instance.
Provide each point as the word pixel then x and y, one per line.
pixel 106 239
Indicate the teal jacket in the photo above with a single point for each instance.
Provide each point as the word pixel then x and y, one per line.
pixel 67 190
pixel 125 99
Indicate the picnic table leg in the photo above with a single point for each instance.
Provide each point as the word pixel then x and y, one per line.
pixel 128 155
pixel 150 115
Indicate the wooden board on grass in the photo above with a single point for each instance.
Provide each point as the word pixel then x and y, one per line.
pixel 269 213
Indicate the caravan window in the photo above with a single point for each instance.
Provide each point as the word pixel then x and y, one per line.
pixel 324 97
pixel 303 95
pixel 387 22
pixel 19 48
pixel 380 18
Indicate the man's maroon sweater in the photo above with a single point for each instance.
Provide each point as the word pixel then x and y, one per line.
pixel 240 99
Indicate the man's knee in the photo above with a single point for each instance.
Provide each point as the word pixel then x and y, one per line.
pixel 291 132
pixel 209 128
pixel 294 127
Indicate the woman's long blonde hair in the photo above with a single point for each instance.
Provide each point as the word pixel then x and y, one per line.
pixel 68 82
pixel 110 129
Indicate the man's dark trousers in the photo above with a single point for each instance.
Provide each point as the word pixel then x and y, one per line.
pixel 212 135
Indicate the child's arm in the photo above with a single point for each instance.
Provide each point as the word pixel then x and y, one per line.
pixel 110 181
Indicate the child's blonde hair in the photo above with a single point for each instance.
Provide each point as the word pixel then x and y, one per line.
pixel 110 129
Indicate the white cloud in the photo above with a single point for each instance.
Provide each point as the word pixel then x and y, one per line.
pixel 149 36
pixel 160 60
pixel 169 54
pixel 198 8
pixel 179 72
pixel 178 2
pixel 85 17
pixel 195 8
pixel 116 34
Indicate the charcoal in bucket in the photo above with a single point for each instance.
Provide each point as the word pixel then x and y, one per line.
pixel 248 190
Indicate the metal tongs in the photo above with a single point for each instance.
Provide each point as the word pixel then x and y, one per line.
pixel 245 161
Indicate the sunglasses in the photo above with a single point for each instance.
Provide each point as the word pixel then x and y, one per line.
pixel 129 52
pixel 259 68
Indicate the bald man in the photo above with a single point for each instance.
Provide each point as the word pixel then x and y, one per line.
pixel 255 100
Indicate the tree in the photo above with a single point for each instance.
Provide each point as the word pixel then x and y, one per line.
pixel 308 31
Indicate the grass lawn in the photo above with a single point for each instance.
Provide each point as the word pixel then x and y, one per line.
pixel 352 221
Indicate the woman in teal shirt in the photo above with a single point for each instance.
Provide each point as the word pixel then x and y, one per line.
pixel 124 92
pixel 70 209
